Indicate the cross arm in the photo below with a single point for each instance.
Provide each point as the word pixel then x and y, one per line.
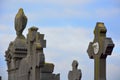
pixel 90 50
pixel 108 46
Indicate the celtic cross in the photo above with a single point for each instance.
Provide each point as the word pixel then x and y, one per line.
pixel 99 49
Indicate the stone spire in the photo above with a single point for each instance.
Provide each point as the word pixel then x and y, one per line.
pixel 20 23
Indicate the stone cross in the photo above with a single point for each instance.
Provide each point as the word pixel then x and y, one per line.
pixel 99 49
pixel 36 43
pixel 75 74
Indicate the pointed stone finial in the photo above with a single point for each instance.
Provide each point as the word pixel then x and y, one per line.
pixel 20 23
pixel 74 65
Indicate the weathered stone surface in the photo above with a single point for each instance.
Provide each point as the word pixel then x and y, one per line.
pixel 99 49
pixel 20 23
pixel 49 76
pixel 75 74
pixel 17 49
pixel 48 68
pixel 25 57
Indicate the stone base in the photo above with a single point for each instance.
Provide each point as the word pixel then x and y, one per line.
pixel 49 76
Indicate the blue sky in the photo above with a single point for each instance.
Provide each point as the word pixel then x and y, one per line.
pixel 68 27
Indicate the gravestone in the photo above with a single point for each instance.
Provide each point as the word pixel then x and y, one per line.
pixel 76 73
pixel 99 49
pixel 25 56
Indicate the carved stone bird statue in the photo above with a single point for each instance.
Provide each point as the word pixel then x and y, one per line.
pixel 20 23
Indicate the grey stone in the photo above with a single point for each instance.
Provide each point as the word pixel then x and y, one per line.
pixel 99 49
pixel 17 49
pixel 75 74
pixel 20 23
pixel 0 78
pixel 25 57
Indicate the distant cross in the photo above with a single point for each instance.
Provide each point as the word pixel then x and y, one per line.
pixel 76 73
pixel 99 49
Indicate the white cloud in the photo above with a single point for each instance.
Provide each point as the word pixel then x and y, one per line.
pixel 3 28
pixel 67 38
pixel 5 40
pixel 52 13
pixel 113 70
pixel 107 12
pixel 56 2
pixel 65 9
pixel 67 3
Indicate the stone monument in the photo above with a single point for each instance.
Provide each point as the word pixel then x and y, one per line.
pixel 99 49
pixel 25 57
pixel 75 74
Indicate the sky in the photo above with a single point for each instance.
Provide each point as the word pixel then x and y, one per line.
pixel 68 27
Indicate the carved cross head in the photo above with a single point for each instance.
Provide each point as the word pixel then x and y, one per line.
pixel 36 38
pixel 101 45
